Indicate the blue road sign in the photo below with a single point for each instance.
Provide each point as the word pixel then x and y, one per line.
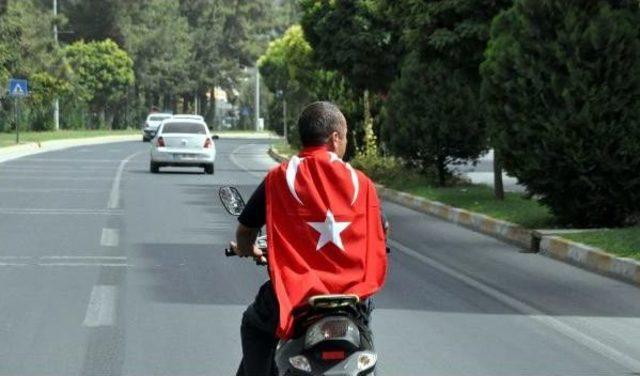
pixel 18 88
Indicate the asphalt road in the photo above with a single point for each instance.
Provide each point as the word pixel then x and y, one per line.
pixel 106 269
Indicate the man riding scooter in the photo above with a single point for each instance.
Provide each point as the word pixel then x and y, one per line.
pixel 324 235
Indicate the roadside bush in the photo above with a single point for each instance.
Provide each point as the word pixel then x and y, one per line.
pixel 432 119
pixel 380 169
pixel 562 88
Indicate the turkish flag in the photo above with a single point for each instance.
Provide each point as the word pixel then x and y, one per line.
pixel 324 232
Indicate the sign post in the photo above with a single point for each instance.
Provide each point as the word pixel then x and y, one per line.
pixel 18 89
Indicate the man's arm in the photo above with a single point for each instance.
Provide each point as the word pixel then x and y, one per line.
pixel 251 220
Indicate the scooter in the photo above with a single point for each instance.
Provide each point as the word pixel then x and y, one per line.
pixel 331 335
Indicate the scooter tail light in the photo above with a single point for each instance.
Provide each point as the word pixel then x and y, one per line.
pixel 332 328
pixel 333 355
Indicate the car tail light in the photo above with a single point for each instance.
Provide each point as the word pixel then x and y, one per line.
pixel 208 143
pixel 160 142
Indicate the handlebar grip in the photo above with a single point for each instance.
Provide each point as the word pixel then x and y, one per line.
pixel 229 253
pixel 261 261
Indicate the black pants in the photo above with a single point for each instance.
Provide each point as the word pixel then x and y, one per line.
pixel 258 332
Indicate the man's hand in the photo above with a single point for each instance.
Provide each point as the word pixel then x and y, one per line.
pixel 253 251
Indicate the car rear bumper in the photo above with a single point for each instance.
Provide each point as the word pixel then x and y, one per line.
pixel 178 157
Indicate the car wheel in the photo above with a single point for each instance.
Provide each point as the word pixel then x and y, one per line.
pixel 144 139
pixel 154 167
pixel 208 169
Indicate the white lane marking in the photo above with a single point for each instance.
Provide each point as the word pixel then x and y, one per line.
pixel 15 257
pixel 110 237
pixel 123 258
pixel 15 167
pixel 39 211
pixel 114 197
pixel 102 306
pixel 111 265
pixel 12 264
pixel 522 307
pixel 52 190
pixel 83 161
pixel 42 177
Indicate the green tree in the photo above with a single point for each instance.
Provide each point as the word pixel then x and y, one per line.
pixel 158 39
pixel 91 20
pixel 27 50
pixel 287 68
pixel 430 118
pixel 103 72
pixel 352 38
pixel 454 33
pixel 562 86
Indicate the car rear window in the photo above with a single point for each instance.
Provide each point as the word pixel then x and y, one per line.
pixel 184 128
pixel 158 117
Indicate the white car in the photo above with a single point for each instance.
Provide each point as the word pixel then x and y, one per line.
pixel 188 116
pixel 183 143
pixel 151 125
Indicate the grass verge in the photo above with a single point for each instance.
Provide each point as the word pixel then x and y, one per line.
pixel 284 149
pixel 8 139
pixel 624 242
pixel 479 198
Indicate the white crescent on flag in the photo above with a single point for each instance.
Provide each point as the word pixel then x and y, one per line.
pixel 292 172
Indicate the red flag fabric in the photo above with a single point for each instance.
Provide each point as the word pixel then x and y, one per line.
pixel 324 232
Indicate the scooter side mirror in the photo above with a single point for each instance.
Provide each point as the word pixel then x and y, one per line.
pixel 231 200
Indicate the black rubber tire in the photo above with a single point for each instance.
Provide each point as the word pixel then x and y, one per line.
pixel 154 168
pixel 144 139
pixel 209 169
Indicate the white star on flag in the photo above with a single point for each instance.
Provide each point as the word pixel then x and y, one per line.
pixel 329 231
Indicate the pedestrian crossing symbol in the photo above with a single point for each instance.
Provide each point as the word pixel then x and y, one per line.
pixel 18 88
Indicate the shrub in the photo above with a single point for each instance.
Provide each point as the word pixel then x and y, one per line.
pixel 562 87
pixel 432 117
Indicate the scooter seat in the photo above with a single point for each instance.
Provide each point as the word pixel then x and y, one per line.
pixel 333 301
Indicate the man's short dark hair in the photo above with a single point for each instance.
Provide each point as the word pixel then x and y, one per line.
pixel 318 121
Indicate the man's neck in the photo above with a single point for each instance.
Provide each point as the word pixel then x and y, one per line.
pixel 311 150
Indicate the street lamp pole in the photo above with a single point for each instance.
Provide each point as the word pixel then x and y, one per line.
pixel 56 101
pixel 284 119
pixel 257 98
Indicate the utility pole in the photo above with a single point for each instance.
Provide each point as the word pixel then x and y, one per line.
pixel 56 101
pixel 257 98
pixel 284 119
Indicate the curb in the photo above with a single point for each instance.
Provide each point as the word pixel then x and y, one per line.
pixel 273 153
pixel 556 247
pixel 18 151
pixel 503 230
pixel 591 258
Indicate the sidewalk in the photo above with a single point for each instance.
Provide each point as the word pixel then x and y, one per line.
pixel 17 151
